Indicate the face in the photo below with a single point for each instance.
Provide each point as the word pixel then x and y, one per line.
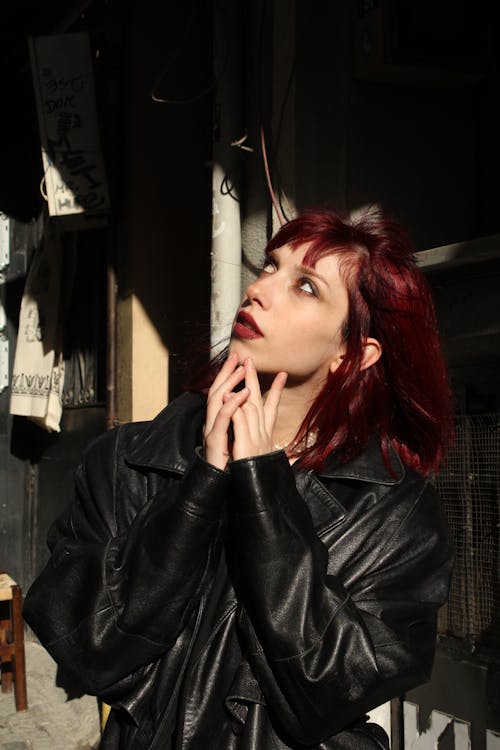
pixel 291 318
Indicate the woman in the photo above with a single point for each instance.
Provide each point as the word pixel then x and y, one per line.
pixel 261 565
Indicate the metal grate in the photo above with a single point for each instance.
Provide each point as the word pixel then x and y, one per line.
pixel 469 485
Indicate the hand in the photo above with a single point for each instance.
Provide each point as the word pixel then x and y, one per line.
pixel 222 403
pixel 253 419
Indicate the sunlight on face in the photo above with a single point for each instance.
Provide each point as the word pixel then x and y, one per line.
pixel 292 316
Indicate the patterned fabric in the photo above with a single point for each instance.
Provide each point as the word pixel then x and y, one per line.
pixel 38 374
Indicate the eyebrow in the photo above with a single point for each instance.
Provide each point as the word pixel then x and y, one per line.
pixel 308 270
pixel 312 272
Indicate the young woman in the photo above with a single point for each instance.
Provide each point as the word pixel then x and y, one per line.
pixel 263 563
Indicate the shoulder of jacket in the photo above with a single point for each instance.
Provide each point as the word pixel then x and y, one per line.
pixel 417 508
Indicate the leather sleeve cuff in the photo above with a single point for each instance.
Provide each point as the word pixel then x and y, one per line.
pixel 204 489
pixel 261 482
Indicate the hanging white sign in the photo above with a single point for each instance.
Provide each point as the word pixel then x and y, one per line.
pixel 74 175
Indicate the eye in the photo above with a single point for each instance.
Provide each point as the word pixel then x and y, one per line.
pixel 305 285
pixel 269 266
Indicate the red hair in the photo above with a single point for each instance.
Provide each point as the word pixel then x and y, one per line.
pixel 405 396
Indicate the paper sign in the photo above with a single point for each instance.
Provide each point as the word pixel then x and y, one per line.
pixel 75 179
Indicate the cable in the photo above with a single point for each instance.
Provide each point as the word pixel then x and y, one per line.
pixel 173 59
pixel 277 207
pixel 260 106
pixel 281 193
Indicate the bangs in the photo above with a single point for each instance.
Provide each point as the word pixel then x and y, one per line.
pixel 349 261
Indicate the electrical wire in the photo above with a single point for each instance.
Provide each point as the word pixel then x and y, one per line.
pixel 189 100
pixel 277 207
pixel 277 201
pixel 227 187
pixel 281 194
pixel 174 58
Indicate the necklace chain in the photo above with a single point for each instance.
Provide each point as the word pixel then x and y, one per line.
pixel 307 442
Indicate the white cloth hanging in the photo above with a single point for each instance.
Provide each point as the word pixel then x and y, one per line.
pixel 38 374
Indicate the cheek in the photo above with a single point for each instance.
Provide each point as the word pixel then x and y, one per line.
pixel 321 332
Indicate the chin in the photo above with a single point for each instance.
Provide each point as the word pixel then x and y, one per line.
pixel 238 348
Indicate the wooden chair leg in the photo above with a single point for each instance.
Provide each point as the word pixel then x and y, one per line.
pixel 20 693
pixel 5 637
pixel 19 663
pixel 6 667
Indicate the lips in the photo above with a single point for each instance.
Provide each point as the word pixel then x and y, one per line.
pixel 246 327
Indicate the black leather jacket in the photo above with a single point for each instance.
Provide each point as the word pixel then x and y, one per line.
pixel 264 607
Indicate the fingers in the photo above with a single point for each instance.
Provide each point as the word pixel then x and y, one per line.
pixel 254 406
pixel 225 371
pixel 254 421
pixel 252 381
pixel 232 402
pixel 252 418
pixel 227 379
pixel 216 443
pixel 273 399
pixel 246 436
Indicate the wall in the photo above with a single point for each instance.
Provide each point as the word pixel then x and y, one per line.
pixel 163 198
pixel 417 139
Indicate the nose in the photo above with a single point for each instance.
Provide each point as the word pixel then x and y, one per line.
pixel 259 291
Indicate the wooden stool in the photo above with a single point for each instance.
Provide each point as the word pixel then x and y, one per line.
pixel 12 641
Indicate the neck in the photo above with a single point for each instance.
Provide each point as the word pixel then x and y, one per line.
pixel 294 404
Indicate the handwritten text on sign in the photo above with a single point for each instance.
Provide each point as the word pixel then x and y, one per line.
pixel 73 165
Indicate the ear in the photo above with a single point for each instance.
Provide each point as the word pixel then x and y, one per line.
pixel 372 351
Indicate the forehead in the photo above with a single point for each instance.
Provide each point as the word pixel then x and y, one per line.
pixel 321 259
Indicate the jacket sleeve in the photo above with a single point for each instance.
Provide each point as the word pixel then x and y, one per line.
pixel 125 573
pixel 329 640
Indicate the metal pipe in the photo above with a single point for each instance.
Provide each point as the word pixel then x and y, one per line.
pixel 397 724
pixel 226 222
pixel 111 347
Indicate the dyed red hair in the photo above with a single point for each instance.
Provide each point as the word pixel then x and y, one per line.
pixel 404 397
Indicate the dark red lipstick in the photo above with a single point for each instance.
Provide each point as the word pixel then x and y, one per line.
pixel 246 327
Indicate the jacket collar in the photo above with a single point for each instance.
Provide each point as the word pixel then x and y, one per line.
pixel 166 443
pixel 369 466
pixel 326 500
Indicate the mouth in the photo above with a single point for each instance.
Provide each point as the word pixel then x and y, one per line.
pixel 246 327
